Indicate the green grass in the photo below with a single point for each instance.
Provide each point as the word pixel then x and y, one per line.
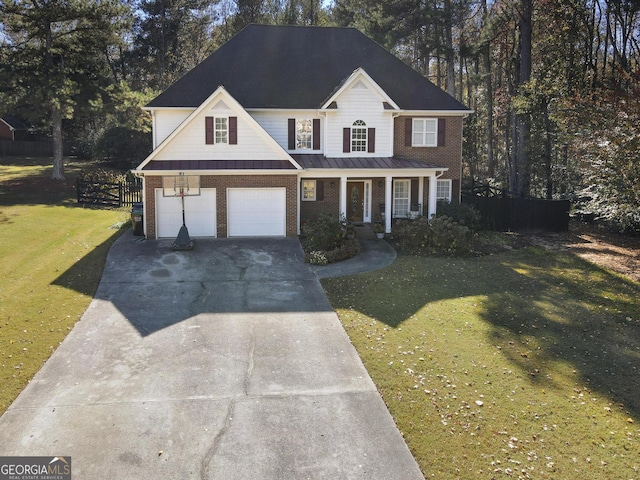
pixel 52 253
pixel 519 365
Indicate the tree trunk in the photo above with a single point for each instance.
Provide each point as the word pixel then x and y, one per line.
pixel 449 50
pixel 58 160
pixel 548 149
pixel 522 119
pixel 488 85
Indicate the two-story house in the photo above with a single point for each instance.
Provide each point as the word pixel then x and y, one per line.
pixel 283 123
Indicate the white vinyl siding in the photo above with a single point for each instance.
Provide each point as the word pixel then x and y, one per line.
pixel 276 124
pixel 359 104
pixel 190 143
pixel 165 122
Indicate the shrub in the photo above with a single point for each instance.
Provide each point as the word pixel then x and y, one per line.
pixel 323 234
pixel 441 235
pixel 349 248
pixel 328 240
pixel 461 213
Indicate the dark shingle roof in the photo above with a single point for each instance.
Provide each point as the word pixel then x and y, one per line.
pixel 267 66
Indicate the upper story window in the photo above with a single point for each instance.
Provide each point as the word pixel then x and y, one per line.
pixel 359 136
pixel 425 132
pixel 304 134
pixel 221 130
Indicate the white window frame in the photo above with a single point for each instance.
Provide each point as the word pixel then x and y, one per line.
pixel 399 210
pixel 443 185
pixel 220 132
pixel 308 190
pixel 359 134
pixel 304 133
pixel 424 132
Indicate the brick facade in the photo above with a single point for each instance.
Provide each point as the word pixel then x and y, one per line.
pixel 449 155
pixel 221 183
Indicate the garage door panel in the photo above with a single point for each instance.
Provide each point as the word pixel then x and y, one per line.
pixel 200 214
pixel 256 212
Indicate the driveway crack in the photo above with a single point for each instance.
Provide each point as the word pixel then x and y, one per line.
pixel 208 458
pixel 206 470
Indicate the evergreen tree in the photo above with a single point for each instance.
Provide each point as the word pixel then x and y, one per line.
pixel 54 59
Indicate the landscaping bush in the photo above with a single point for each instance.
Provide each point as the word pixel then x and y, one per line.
pixel 441 235
pixel 323 234
pixel 327 240
pixel 461 213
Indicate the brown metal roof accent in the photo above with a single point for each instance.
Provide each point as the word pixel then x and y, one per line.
pixel 219 165
pixel 320 161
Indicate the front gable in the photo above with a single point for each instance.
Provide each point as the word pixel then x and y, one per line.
pixel 359 102
pixel 219 135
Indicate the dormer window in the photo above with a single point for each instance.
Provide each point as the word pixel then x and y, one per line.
pixel 359 136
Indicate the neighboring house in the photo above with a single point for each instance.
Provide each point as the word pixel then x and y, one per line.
pixel 284 123
pixel 13 128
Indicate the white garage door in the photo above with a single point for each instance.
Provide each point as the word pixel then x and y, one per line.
pixel 254 212
pixel 200 214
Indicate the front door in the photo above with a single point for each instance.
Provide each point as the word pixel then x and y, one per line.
pixel 355 202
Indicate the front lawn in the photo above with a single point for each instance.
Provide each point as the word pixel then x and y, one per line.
pixel 523 364
pixel 52 253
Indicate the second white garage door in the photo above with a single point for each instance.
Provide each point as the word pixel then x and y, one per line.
pixel 253 212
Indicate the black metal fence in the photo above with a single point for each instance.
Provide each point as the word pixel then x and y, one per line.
pixel 112 194
pixel 521 214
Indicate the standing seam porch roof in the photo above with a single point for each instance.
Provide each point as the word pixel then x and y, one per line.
pixel 291 67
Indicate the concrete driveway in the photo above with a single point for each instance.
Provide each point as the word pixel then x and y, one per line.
pixel 225 362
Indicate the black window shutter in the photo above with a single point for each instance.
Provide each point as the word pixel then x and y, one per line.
pixel 316 134
pixel 233 130
pixel 292 133
pixel 442 129
pixel 414 191
pixel 371 140
pixel 208 127
pixel 346 140
pixel 319 190
pixel 408 131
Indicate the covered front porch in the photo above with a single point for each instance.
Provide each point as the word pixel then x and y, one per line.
pixel 367 190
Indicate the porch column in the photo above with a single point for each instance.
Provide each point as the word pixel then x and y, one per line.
pixel 388 203
pixel 343 197
pixel 433 182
